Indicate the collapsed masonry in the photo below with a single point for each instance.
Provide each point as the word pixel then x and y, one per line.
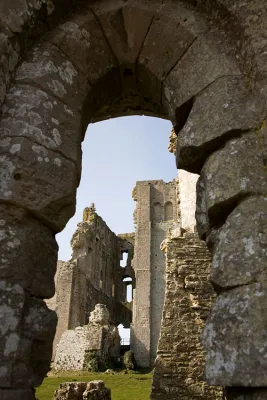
pixel 92 276
pixel 94 390
pixel 92 347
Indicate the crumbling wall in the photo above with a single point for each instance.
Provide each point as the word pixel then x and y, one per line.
pixel 92 276
pixel 100 336
pixel 180 362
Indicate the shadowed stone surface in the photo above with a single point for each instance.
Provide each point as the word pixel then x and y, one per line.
pixel 206 60
pixel 230 174
pixel 220 112
pixel 19 394
pixel 242 237
pixel 27 329
pixel 26 165
pixel 202 218
pixel 246 394
pixel 172 40
pixel 25 238
pixel 235 337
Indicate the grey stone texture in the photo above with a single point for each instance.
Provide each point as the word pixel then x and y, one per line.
pixel 242 237
pixel 25 165
pixel 229 174
pixel 94 390
pixel 27 329
pixel 235 337
pixel 24 238
pixel 179 366
pixel 221 111
pixel 209 57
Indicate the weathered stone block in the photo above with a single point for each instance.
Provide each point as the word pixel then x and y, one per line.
pixel 26 166
pixel 209 58
pixel 82 41
pixel 202 218
pixel 48 68
pixel 26 239
pixel 27 329
pixel 242 237
pixel 125 26
pixel 94 390
pixel 235 337
pixel 231 173
pixel 246 393
pixel 35 350
pixel 30 112
pixel 70 391
pixel 9 58
pixel 221 111
pixel 172 40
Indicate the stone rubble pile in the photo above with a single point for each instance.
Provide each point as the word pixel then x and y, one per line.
pixel 94 390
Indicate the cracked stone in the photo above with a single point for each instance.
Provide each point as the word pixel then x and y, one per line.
pixel 209 58
pixel 242 237
pixel 26 166
pixel 26 239
pixel 235 337
pixel 224 108
pixel 230 174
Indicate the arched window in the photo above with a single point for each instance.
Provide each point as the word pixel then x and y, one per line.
pixel 157 212
pixel 168 211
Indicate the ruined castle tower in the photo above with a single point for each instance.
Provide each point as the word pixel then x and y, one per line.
pixel 156 213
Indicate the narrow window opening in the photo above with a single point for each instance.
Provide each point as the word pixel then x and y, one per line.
pixel 124 259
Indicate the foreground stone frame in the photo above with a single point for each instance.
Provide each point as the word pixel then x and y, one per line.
pixel 204 69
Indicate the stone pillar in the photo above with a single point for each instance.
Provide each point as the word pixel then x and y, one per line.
pixel 28 262
pixel 223 140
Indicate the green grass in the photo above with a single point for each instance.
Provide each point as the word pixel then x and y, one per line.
pixel 123 386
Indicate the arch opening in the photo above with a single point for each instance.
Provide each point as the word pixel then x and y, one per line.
pixel 67 80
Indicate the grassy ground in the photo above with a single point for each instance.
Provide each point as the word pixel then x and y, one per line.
pixel 129 386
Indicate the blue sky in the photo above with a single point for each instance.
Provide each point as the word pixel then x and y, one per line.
pixel 117 153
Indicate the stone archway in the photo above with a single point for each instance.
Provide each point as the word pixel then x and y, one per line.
pixel 96 64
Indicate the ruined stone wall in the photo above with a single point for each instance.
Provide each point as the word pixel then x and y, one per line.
pixel 93 276
pixel 99 336
pixel 156 212
pixel 179 368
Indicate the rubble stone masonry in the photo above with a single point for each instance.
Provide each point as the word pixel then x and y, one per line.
pixel 189 295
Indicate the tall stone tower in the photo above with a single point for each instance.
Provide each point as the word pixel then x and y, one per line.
pixel 156 213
